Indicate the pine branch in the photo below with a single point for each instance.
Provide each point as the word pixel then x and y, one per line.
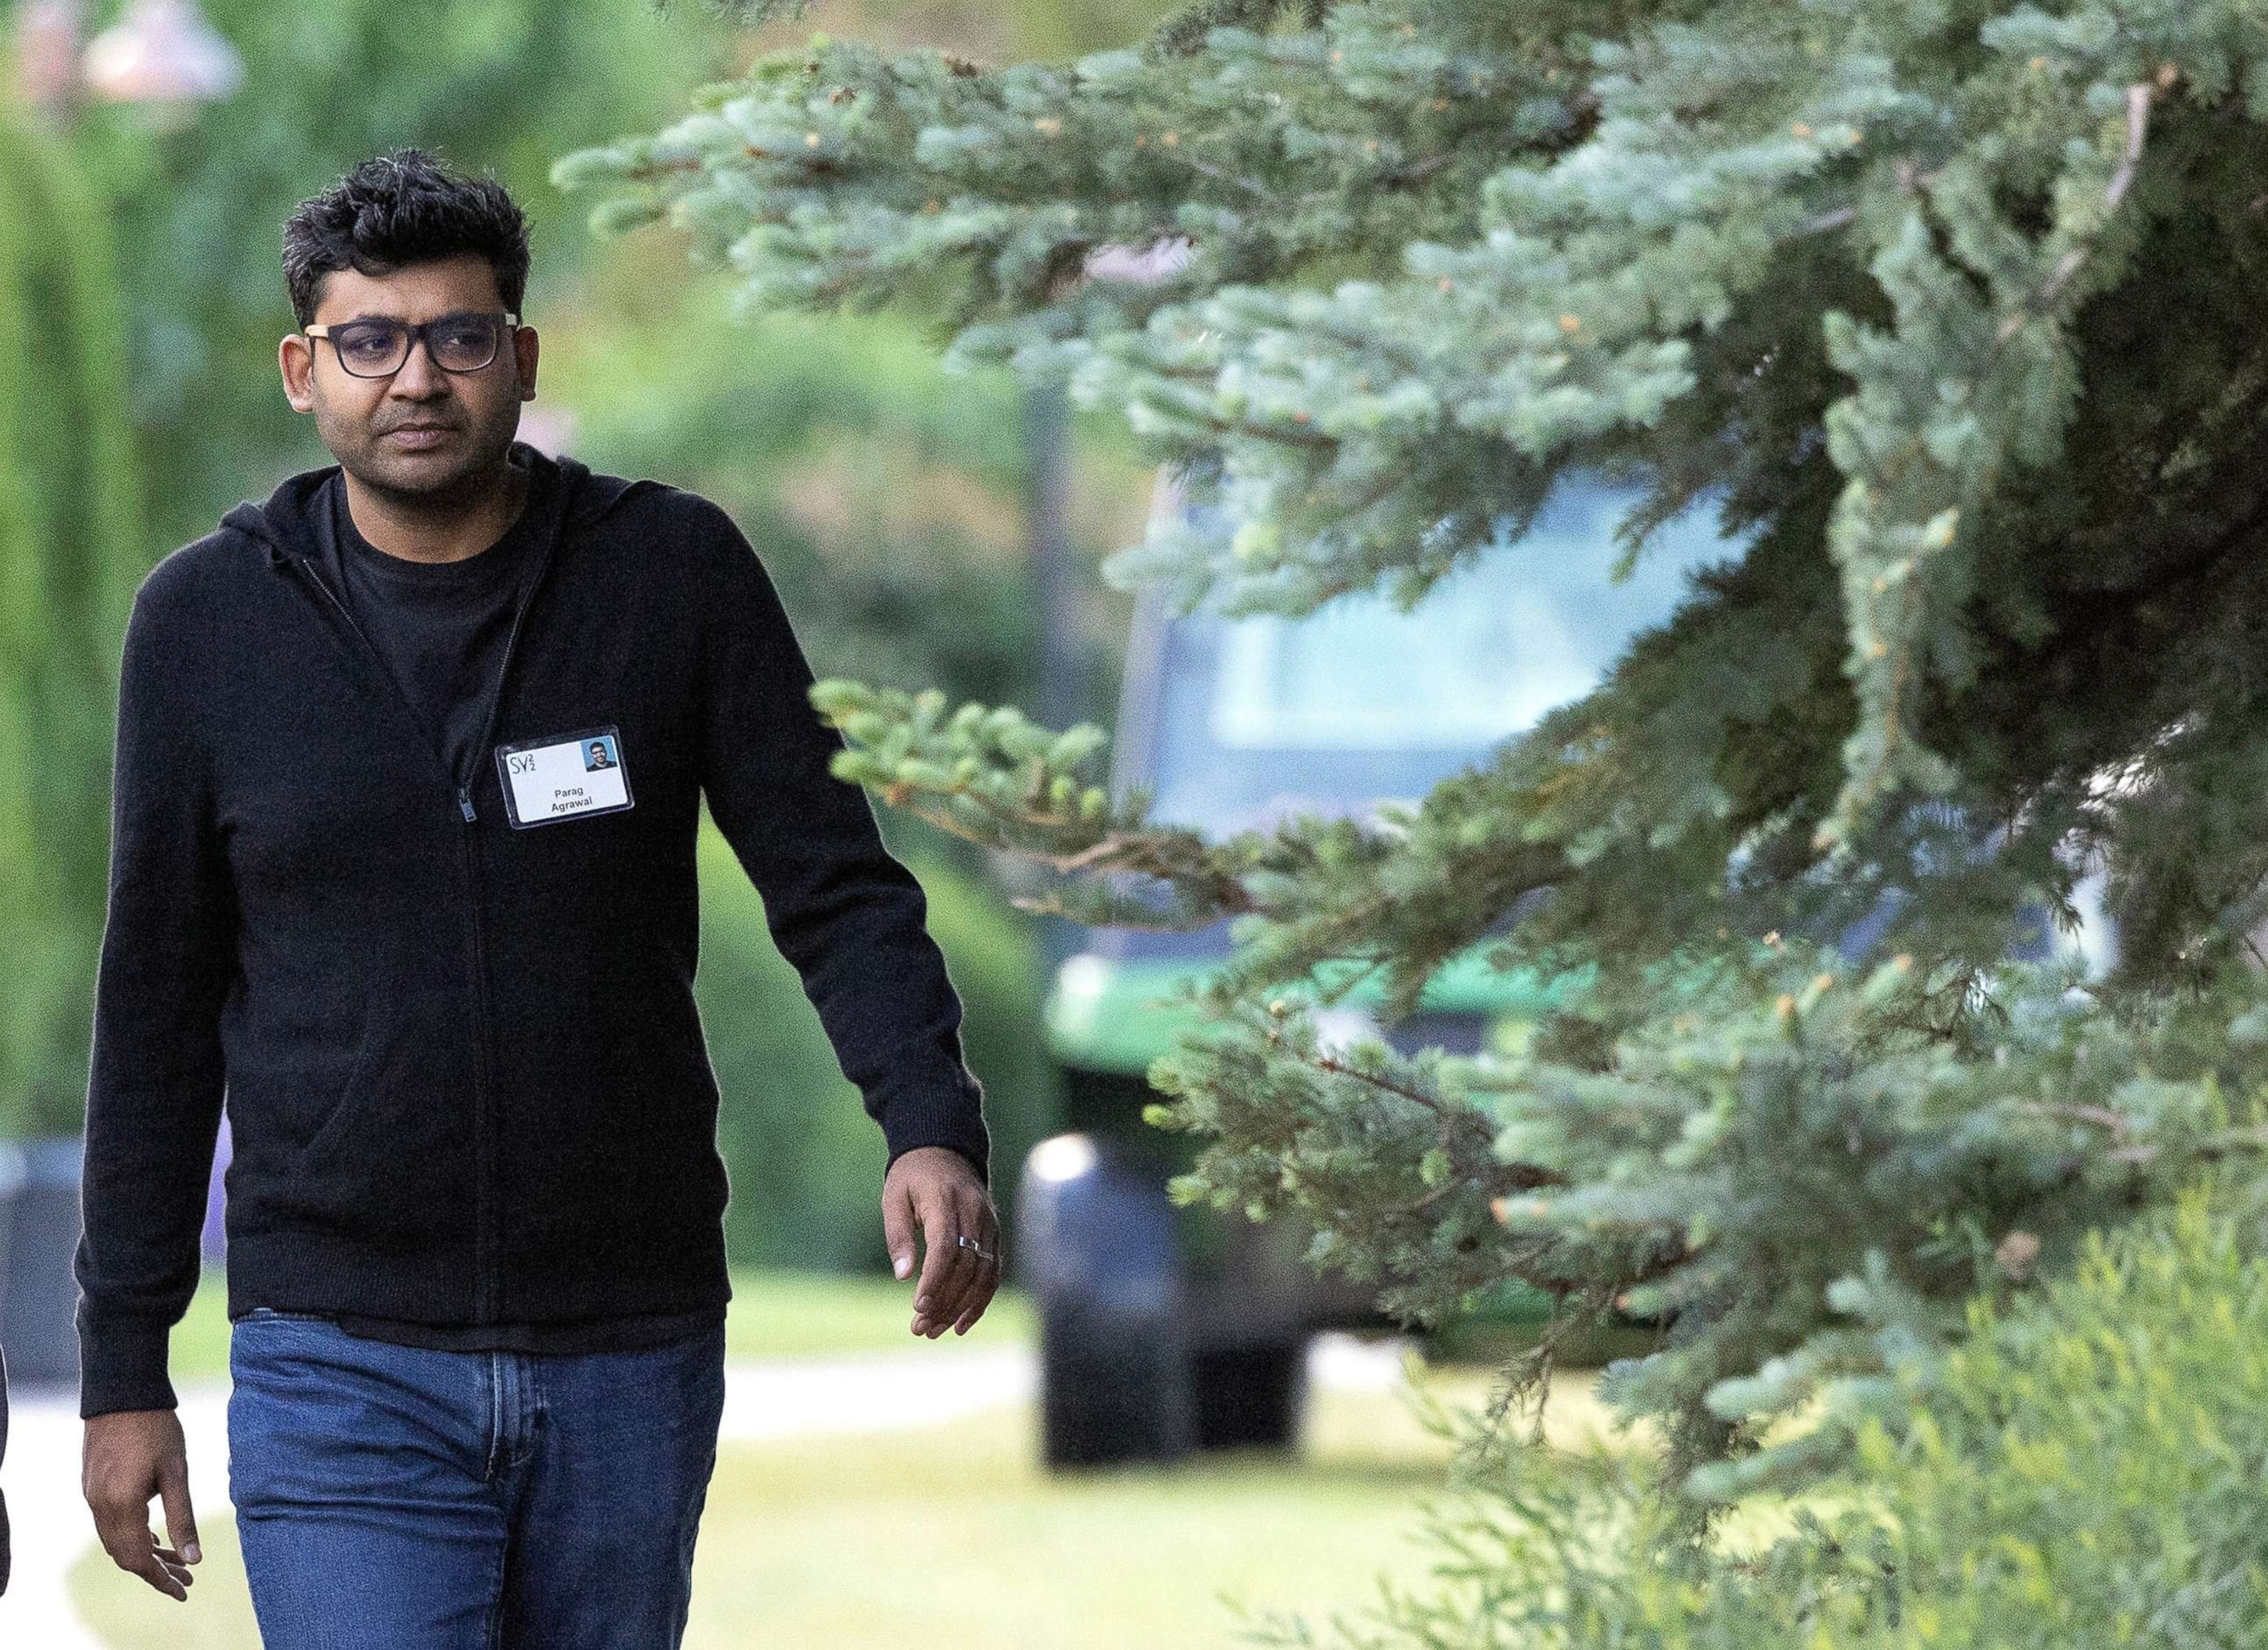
pixel 2138 120
pixel 1985 433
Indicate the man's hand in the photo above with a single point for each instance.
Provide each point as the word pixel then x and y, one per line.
pixel 935 1188
pixel 131 1455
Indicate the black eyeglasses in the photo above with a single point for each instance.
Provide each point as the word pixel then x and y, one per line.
pixel 376 348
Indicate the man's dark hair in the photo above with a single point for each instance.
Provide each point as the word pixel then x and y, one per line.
pixel 400 208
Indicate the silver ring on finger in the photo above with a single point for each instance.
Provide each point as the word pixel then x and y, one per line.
pixel 962 1240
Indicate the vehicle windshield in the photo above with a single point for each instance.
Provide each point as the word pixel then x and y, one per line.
pixel 1259 717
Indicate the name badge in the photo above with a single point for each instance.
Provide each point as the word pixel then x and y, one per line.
pixel 565 776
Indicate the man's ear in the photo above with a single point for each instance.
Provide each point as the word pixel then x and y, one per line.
pixel 295 357
pixel 527 347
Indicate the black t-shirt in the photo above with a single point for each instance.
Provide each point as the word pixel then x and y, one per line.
pixel 440 627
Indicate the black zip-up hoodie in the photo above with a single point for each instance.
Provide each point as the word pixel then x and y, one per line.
pixel 465 1079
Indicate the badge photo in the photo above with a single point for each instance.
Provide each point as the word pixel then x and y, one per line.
pixel 564 777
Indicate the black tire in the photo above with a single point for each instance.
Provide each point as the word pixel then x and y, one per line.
pixel 1099 1251
pixel 1249 1398
pixel 1111 1394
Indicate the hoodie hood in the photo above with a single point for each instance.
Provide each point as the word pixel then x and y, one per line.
pixel 285 523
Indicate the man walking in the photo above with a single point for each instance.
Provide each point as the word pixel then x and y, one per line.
pixel 368 880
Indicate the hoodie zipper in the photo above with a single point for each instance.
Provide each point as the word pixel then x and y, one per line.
pixel 484 1241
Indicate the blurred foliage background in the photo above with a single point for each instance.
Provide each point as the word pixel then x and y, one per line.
pixel 141 301
pixel 71 545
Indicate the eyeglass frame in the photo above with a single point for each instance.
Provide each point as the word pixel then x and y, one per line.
pixel 417 331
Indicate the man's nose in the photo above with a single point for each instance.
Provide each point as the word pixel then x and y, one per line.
pixel 417 379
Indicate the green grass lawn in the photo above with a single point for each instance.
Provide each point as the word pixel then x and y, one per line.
pixel 773 1314
pixel 954 1539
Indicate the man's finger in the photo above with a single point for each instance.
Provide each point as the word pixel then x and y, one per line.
pixel 979 1296
pixel 971 1219
pixel 180 1519
pixel 987 1280
pixel 983 1226
pixel 898 1228
pixel 125 1538
pixel 940 1266
pixel 175 1569
pixel 939 1261
pixel 989 1272
pixel 965 1217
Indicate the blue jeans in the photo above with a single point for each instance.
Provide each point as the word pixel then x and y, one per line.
pixel 393 1497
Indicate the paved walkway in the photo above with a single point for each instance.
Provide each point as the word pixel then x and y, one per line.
pixel 803 1398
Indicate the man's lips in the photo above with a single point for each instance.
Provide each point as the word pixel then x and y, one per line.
pixel 419 435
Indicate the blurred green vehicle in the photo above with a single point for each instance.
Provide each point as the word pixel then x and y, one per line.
pixel 1161 1329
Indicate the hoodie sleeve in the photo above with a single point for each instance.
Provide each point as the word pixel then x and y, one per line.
pixel 848 916
pixel 155 1086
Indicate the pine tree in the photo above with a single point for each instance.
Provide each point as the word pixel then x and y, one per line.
pixel 70 554
pixel 1947 310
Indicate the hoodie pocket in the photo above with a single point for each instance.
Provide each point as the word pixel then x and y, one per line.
pixel 392 1163
pixel 368 1056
